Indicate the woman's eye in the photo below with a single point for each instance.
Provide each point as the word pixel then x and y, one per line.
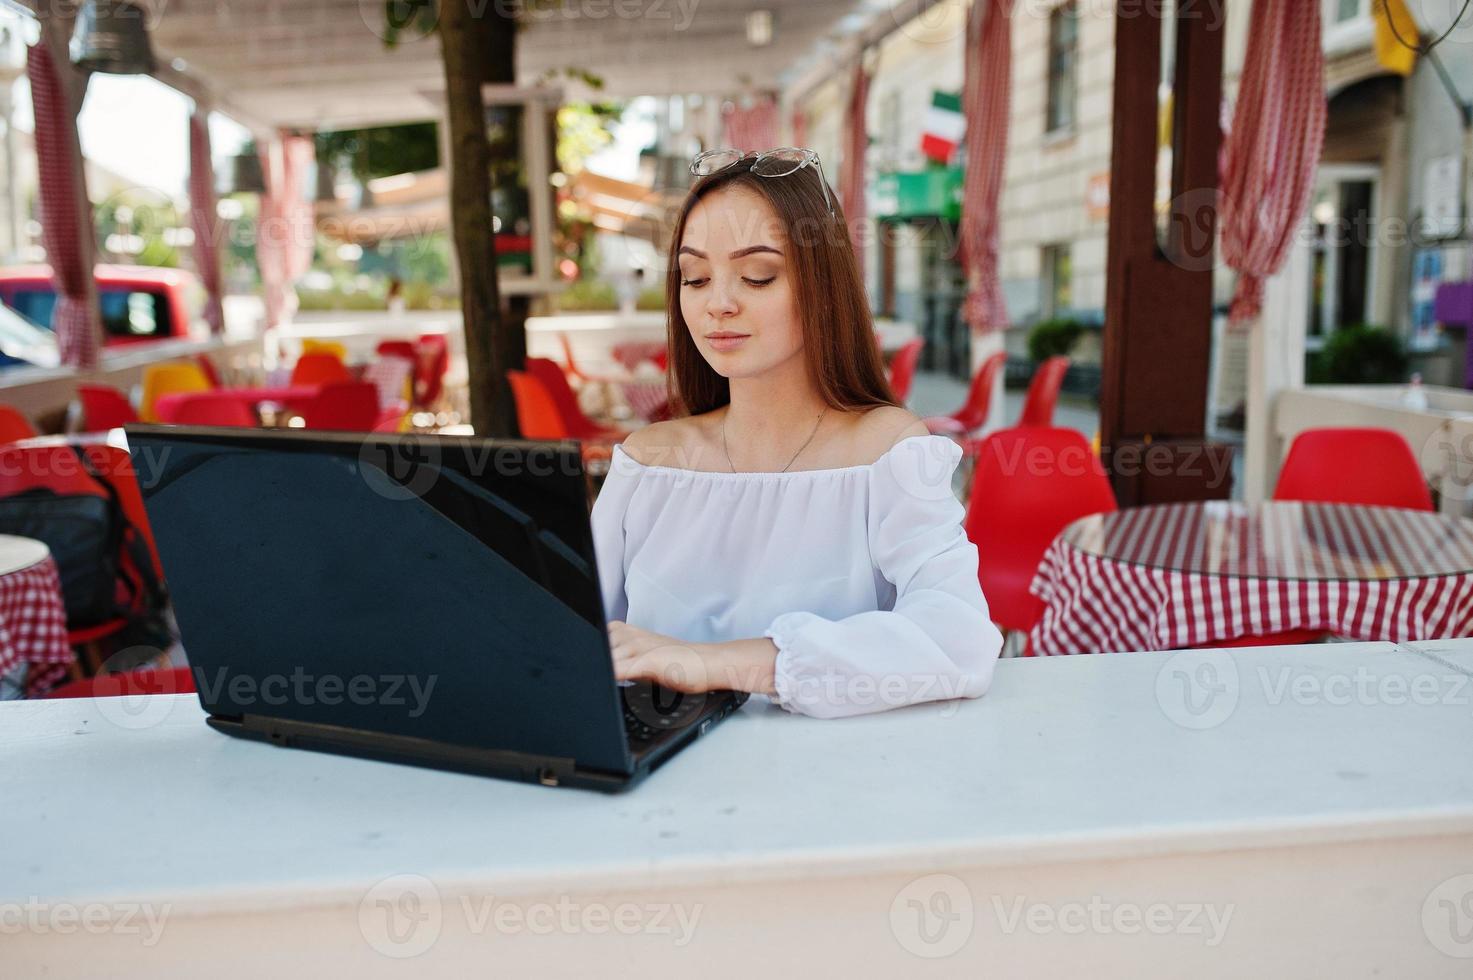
pixel 758 282
pixel 693 282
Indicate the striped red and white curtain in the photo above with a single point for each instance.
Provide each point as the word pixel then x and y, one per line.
pixel 285 230
pixel 752 127
pixel 856 148
pixel 76 320
pixel 203 219
pixel 1273 150
pixel 987 68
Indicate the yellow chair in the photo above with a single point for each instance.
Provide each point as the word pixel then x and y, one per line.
pixel 169 379
pixel 313 346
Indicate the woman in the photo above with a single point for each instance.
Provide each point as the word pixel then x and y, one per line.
pixel 794 533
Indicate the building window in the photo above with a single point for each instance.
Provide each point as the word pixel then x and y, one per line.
pixel 1056 282
pixel 1063 60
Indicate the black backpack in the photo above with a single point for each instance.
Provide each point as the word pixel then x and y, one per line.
pixel 105 566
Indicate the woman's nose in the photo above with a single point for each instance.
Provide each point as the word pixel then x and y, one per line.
pixel 723 299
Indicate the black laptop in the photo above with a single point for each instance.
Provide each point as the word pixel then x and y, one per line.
pixel 432 600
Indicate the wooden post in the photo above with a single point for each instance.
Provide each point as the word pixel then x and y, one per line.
pixel 477 46
pixel 1158 303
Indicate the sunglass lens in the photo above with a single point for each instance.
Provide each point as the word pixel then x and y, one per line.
pixel 780 163
pixel 714 160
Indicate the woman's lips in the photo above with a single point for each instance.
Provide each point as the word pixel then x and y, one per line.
pixel 726 341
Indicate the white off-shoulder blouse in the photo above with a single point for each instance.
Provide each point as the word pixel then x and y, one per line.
pixel 862 575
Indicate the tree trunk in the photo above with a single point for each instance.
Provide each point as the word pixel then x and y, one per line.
pixel 475 46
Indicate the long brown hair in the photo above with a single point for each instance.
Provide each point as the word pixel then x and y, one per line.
pixel 839 343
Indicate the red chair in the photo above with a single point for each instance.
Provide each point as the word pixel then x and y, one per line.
pixel 537 414
pixel 1043 392
pixel 432 362
pixel 578 425
pixel 58 469
pixel 396 348
pixel 349 406
pixel 1374 467
pixel 149 680
pixel 571 367
pixel 116 467
pixel 213 411
pixel 104 407
pixel 209 370
pixel 319 369
pixel 973 413
pixel 1018 507
pixel 903 369
pixel 14 426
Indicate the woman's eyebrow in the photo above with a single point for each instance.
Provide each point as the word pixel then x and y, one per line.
pixel 739 253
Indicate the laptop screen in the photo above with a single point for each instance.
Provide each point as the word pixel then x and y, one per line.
pixel 465 566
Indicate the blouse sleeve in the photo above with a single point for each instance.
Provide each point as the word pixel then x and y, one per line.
pixel 937 642
pixel 608 530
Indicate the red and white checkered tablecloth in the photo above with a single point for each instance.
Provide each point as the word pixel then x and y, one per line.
pixel 33 626
pixel 646 398
pixel 1185 575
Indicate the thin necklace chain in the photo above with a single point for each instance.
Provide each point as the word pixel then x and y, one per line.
pixel 795 455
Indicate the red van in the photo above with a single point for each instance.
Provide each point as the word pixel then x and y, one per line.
pixel 139 303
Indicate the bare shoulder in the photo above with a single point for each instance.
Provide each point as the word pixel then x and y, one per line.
pixel 880 428
pixel 658 442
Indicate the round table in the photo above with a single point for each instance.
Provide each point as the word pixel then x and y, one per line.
pixel 34 652
pixel 1170 576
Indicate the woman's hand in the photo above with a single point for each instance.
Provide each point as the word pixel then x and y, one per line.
pixel 692 668
pixel 674 665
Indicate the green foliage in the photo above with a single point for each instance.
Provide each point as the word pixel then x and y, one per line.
pixel 1052 338
pixel 381 151
pixel 1360 354
pixel 583 130
pixel 586 296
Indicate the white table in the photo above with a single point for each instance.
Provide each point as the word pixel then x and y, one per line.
pixel 1078 805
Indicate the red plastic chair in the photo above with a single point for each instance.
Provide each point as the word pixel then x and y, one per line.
pixel 537 414
pixel 903 369
pixel 1018 507
pixel 572 368
pixel 578 425
pixel 213 411
pixel 349 406
pixel 151 680
pixel 116 467
pixel 14 426
pixel 104 407
pixel 319 369
pixel 1043 392
pixel 432 362
pixel 1375 467
pixel 973 413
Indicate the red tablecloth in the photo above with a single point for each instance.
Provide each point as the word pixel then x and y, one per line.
pixel 292 396
pixel 646 398
pixel 33 626
pixel 1184 575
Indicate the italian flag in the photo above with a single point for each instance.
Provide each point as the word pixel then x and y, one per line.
pixel 944 126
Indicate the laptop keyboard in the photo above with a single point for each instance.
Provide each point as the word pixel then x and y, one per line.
pixel 651 711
